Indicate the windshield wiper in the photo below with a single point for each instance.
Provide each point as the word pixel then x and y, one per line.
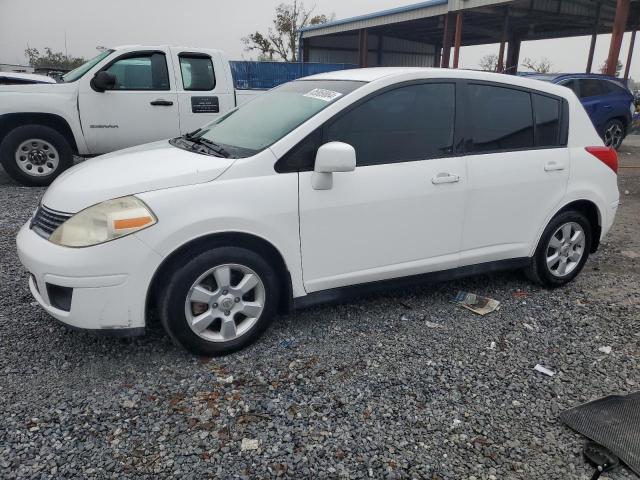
pixel 210 144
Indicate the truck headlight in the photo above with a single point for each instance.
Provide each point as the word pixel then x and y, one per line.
pixel 104 222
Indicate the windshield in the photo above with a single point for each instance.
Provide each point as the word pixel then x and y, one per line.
pixel 270 116
pixel 75 74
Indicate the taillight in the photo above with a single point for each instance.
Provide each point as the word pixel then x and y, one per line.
pixel 606 155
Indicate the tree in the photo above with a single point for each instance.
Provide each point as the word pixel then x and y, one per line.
pixel 541 66
pixel 282 39
pixel 489 63
pixel 51 59
pixel 603 68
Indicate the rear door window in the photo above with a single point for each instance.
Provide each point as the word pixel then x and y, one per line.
pixel 547 117
pixel 197 72
pixel 498 119
pixel 591 88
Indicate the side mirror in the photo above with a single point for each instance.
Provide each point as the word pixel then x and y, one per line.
pixel 332 157
pixel 102 81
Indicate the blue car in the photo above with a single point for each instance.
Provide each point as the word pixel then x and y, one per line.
pixel 607 100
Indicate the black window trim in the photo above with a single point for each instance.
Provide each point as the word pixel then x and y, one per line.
pixel 281 167
pixel 564 118
pixel 139 53
pixel 460 127
pixel 187 54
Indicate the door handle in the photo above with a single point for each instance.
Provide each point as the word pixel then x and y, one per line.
pixel 444 177
pixel 606 106
pixel 553 166
pixel 162 103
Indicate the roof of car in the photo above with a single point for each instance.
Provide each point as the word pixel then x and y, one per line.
pixel 551 77
pixel 378 73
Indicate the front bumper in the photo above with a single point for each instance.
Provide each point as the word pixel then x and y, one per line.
pixel 103 287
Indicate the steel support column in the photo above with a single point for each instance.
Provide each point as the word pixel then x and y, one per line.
pixel 503 40
pixel 627 67
pixel 594 37
pixel 447 39
pixel 513 56
pixel 619 24
pixel 363 48
pixel 458 40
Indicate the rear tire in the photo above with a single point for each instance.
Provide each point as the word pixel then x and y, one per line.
pixel 219 301
pixel 563 250
pixel 614 133
pixel 34 155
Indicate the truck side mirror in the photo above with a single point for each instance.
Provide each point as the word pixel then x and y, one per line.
pixel 102 81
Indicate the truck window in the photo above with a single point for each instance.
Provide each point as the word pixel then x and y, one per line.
pixel 141 72
pixel 197 72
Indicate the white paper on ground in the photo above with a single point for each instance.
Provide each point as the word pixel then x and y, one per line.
pixel 546 371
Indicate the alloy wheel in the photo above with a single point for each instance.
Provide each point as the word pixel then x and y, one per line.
pixel 613 135
pixel 225 302
pixel 565 249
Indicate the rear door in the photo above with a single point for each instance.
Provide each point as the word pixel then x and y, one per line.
pixel 595 99
pixel 518 169
pixel 401 211
pixel 142 107
pixel 204 92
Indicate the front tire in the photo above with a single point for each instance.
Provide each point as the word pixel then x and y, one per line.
pixel 563 250
pixel 34 155
pixel 219 301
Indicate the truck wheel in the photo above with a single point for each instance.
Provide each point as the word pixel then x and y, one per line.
pixel 219 301
pixel 35 155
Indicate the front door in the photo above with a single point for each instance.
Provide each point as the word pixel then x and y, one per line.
pixel 401 211
pixel 141 108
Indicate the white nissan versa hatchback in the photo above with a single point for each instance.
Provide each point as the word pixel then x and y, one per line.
pixel 334 184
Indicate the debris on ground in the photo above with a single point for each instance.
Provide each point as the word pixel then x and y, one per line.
pixel 476 303
pixel 432 324
pixel 492 346
pixel 545 370
pixel 520 294
pixel 605 349
pixel 529 327
pixel 249 444
pixel 630 254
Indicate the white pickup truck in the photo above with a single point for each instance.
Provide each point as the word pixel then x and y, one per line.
pixel 123 97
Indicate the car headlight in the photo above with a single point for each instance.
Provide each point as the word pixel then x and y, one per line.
pixel 104 222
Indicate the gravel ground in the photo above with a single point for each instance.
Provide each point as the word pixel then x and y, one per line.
pixel 404 385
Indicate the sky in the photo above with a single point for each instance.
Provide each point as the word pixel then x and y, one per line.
pixel 80 25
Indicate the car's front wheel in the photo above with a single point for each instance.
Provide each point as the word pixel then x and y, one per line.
pixel 562 251
pixel 614 133
pixel 219 301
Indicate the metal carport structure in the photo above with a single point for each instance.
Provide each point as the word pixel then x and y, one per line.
pixel 426 33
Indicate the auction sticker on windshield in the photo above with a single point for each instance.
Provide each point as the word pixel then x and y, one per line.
pixel 322 94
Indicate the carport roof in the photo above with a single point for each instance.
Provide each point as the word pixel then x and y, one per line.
pixel 484 19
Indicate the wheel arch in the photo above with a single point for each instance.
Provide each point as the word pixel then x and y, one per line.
pixel 237 239
pixel 11 121
pixel 592 213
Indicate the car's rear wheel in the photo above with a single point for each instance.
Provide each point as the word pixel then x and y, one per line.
pixel 562 251
pixel 613 133
pixel 219 301
pixel 35 155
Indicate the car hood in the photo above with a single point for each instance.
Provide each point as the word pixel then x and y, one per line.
pixel 135 170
